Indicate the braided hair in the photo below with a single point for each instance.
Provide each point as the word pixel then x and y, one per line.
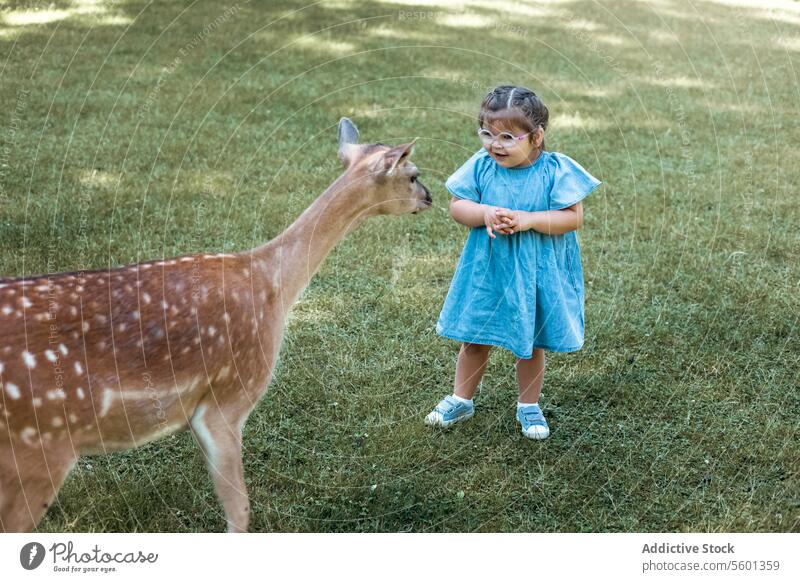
pixel 517 104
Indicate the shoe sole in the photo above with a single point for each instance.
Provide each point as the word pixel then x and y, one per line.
pixel 536 436
pixel 446 423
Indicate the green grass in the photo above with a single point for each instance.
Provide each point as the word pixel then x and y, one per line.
pixel 680 413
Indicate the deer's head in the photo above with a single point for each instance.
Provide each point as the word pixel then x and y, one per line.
pixel 384 174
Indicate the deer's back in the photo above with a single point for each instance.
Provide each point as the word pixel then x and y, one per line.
pixel 111 359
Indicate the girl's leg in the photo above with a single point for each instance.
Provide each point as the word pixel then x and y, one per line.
pixel 530 377
pixel 472 360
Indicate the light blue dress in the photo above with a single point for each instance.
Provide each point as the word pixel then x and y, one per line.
pixel 525 290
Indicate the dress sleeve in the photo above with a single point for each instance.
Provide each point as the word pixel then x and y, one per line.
pixel 571 183
pixel 464 183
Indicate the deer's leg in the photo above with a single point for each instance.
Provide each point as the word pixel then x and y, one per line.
pixel 29 481
pixel 219 433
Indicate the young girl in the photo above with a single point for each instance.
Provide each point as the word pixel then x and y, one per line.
pixel 519 281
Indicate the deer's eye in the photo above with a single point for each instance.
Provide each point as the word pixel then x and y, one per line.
pixel 413 179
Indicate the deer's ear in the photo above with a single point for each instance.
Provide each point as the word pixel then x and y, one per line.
pixel 348 141
pixel 397 156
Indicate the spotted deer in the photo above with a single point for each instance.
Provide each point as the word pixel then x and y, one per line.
pixel 101 361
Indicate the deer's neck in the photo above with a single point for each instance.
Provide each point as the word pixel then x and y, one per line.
pixel 291 259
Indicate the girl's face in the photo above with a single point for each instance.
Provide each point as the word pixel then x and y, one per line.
pixel 523 153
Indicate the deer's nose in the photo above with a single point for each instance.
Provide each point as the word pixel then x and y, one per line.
pixel 428 197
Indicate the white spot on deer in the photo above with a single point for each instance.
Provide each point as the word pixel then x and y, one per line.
pixel 78 368
pixel 226 317
pixel 174 310
pixel 246 272
pixel 135 315
pixel 2 367
pixel 186 259
pixel 37 402
pixel 57 421
pixel 63 349
pixel 122 327
pixel 73 418
pixel 27 435
pixel 221 339
pixel 57 394
pixel 12 390
pixel 225 372
pixel 146 298
pixel 79 289
pixel 211 331
pixel 51 355
pixel 85 326
pixel 164 305
pixel 26 302
pixel 6 310
pixel 101 319
pixel 185 350
pixel 79 391
pixel 28 358
pixel 105 406
pixel 42 288
pixel 73 311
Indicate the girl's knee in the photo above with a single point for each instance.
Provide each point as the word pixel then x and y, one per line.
pixel 476 348
pixel 537 352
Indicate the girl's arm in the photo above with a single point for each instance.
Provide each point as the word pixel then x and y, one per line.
pixel 545 221
pixel 467 212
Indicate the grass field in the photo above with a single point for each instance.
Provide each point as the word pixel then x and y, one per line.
pixel 136 130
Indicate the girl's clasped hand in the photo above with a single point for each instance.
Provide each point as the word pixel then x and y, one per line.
pixel 504 221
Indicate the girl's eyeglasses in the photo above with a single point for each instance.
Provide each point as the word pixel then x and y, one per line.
pixel 504 138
